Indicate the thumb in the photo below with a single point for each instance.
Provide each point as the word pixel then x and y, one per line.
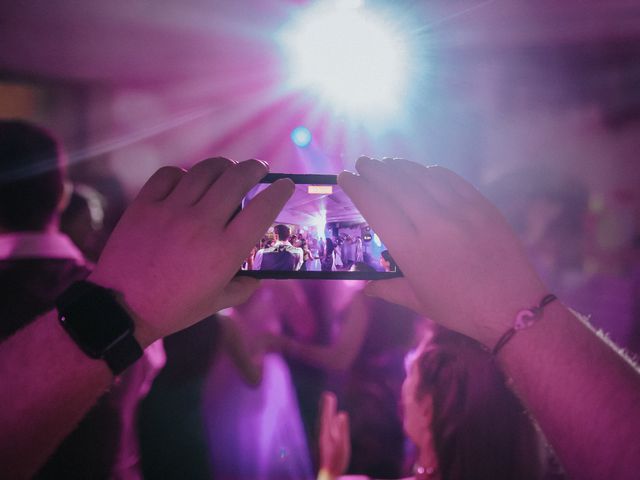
pixel 237 291
pixel 395 290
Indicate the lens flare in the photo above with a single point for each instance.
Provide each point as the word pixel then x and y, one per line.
pixel 349 56
pixel 301 136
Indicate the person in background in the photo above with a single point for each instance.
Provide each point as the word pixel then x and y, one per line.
pixel 365 361
pixel 307 264
pixel 38 262
pixel 328 258
pixel 83 220
pixel 387 262
pixel 282 255
pixel 458 412
pixel 251 414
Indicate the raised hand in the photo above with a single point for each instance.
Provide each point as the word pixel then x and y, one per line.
pixel 334 441
pixel 174 253
pixel 463 266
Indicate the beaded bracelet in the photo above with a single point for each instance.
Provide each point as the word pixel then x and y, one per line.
pixel 524 319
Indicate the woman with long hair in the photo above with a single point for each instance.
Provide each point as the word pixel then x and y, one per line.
pixel 464 421
pixel 327 260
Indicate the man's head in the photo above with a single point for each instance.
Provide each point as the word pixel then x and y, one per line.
pixel 32 177
pixel 283 232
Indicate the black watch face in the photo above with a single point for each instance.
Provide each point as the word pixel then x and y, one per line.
pixel 96 322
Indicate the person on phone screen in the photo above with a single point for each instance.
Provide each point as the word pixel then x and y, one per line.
pixel 387 262
pixel 281 256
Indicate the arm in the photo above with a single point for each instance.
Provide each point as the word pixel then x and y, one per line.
pixel 300 259
pixel 342 352
pixel 48 385
pixel 172 262
pixel 248 364
pixel 475 278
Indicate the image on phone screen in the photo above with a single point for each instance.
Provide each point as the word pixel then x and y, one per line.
pixel 318 234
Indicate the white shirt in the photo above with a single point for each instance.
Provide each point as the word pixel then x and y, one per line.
pixel 297 252
pixel 39 245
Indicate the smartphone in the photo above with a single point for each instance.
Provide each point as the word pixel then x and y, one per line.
pixel 319 234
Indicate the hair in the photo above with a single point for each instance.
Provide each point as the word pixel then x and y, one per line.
pixel 282 231
pixel 362 267
pixel 388 258
pixel 480 429
pixel 32 176
pixel 330 246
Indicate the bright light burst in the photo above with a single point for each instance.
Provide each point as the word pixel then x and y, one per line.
pixel 349 56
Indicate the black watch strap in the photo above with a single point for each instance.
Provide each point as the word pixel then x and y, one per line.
pixel 123 354
pixel 99 325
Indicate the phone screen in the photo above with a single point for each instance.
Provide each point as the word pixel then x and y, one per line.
pixel 318 234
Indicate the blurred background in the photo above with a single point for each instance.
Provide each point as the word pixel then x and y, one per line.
pixel 536 103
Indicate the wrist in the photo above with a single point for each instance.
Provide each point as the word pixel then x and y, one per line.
pixel 98 324
pixel 526 318
pixel 144 334
pixel 498 320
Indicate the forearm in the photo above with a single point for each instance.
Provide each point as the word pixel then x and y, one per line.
pixel 585 397
pixel 48 385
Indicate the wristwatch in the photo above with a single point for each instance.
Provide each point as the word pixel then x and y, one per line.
pixel 98 324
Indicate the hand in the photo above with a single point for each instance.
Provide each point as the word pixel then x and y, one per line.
pixel 174 253
pixel 463 266
pixel 272 342
pixel 334 441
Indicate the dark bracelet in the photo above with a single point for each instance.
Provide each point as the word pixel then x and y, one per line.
pixel 524 319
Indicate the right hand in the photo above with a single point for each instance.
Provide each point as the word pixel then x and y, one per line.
pixel 176 249
pixel 334 439
pixel 463 266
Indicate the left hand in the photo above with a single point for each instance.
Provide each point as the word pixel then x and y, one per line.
pixel 174 254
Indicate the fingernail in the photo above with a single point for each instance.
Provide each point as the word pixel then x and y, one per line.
pixel 288 181
pixel 367 162
pixel 265 164
pixel 364 158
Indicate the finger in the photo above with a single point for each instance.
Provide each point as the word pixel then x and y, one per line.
pixel 345 437
pixel 236 292
pixel 343 426
pixel 329 405
pixel 395 290
pixel 252 222
pixel 161 184
pixel 444 185
pixel 385 216
pixel 464 188
pixel 198 180
pixel 232 186
pixel 399 186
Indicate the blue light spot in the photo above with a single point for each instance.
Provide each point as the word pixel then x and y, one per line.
pixel 301 136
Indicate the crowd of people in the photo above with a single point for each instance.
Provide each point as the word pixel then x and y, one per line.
pixel 489 351
pixel 285 250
